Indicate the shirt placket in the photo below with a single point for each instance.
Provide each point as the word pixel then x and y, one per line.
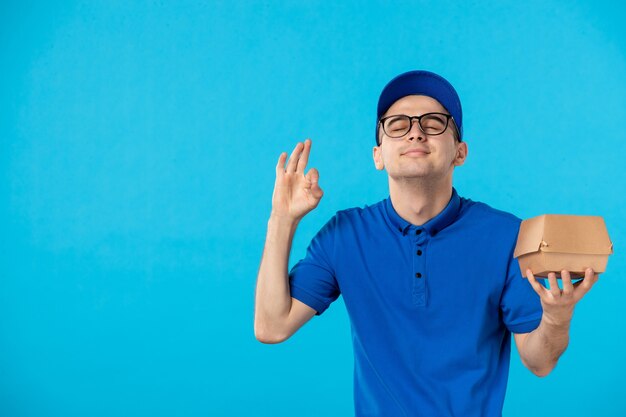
pixel 419 241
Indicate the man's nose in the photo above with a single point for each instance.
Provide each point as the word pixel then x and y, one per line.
pixel 415 132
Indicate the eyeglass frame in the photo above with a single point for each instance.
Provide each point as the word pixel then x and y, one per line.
pixel 381 122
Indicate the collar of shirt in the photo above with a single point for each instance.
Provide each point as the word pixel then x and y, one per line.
pixel 432 226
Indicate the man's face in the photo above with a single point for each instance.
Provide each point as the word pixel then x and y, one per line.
pixel 433 157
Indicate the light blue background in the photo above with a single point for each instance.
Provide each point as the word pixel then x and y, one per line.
pixel 138 145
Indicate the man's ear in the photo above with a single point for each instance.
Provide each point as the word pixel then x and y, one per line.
pixel 461 154
pixel 377 153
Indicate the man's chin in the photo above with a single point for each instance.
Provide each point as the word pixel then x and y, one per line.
pixel 417 173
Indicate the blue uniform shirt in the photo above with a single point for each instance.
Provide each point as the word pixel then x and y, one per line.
pixel 432 307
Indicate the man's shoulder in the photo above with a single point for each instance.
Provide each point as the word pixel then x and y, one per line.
pixel 499 225
pixel 350 221
pixel 361 212
pixel 357 217
pixel 478 210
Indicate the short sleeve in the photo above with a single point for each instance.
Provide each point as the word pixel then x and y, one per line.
pixel 312 280
pixel 520 304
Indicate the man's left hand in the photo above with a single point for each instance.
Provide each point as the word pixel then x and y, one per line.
pixel 558 304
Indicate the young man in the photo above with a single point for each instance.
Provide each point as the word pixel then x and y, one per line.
pixel 428 277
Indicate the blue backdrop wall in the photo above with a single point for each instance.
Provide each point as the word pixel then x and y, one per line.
pixel 137 149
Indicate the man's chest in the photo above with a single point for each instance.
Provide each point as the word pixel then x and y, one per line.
pixel 422 273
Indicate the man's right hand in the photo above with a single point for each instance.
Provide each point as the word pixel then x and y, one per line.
pixel 277 315
pixel 295 194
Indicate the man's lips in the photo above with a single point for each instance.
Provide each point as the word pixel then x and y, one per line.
pixel 416 152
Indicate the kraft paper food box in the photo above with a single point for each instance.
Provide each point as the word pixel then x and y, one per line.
pixel 553 242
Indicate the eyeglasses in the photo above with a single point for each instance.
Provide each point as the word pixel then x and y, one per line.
pixel 398 125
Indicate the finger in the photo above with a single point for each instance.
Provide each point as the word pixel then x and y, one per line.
pixel 304 158
pixel 586 284
pixel 566 280
pixel 293 159
pixel 554 285
pixel 313 176
pixel 539 289
pixel 280 166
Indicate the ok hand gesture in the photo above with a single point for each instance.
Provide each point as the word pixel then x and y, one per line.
pixel 295 194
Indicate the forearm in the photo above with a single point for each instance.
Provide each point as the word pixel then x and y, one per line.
pixel 544 345
pixel 273 295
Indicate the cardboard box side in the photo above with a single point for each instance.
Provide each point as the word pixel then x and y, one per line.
pixel 530 236
pixel 530 260
pixel 541 263
pixel 575 264
pixel 576 234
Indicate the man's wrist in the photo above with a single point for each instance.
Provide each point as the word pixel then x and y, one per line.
pixel 556 324
pixel 278 220
pixel 283 220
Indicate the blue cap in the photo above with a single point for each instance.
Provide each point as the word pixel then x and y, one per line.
pixel 424 83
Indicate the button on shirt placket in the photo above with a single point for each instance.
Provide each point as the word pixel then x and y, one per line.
pixel 419 239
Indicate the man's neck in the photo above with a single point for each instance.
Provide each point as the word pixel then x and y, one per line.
pixel 419 201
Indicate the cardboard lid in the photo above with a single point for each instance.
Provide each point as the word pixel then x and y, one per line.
pixel 564 233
